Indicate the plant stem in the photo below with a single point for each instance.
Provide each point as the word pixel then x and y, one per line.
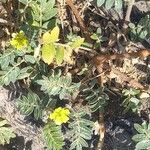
pixel 128 13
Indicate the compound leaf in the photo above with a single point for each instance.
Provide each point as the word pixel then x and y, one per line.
pixel 53 136
pixel 30 104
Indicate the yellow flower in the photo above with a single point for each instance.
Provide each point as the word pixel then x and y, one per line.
pixel 60 115
pixel 19 40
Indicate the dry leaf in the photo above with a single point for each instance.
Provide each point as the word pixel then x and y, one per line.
pixel 144 95
pixel 68 55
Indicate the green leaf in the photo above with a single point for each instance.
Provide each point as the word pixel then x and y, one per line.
pixel 109 4
pixel 142 139
pixel 59 55
pixel 3 122
pixel 30 104
pixel 35 11
pixel 6 133
pixel 145 24
pixel 60 85
pixel 78 42
pixel 25 72
pixel 46 4
pixel 96 99
pixel 53 136
pixel 100 2
pixel 134 100
pixel 139 137
pixel 138 128
pixel 145 125
pixel 30 59
pixel 94 37
pixel 10 75
pixel 51 37
pixel 143 145
pixel 49 13
pixel 25 2
pixel 118 5
pixel 42 12
pixel 47 9
pixel 48 53
pixel 6 59
pixel 80 129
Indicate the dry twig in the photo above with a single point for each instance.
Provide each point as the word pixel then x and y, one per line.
pixel 79 19
pixel 128 13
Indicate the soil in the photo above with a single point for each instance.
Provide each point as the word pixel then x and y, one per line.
pixel 28 134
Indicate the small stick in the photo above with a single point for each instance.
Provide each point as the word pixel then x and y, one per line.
pixel 128 13
pixel 79 19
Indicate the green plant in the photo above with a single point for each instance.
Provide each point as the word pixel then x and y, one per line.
pixel 95 97
pixel 131 101
pixel 143 137
pixel 6 133
pixel 51 50
pixel 11 70
pixel 30 104
pixel 56 84
pixel 117 4
pixel 44 60
pixel 80 129
pixel 39 13
pixel 142 30
pixel 53 136
pixel 98 38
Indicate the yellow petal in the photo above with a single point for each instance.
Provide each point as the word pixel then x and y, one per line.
pixel 66 112
pixel 58 109
pixel 58 122
pixel 52 116
pixel 64 119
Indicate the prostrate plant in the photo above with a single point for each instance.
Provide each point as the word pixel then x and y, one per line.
pixel 6 133
pixel 95 97
pixel 56 84
pixel 51 50
pixel 80 129
pixel 131 101
pixel 98 38
pixel 30 104
pixel 53 136
pixel 140 31
pixel 12 61
pixel 143 137
pixel 117 4
pixel 39 13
